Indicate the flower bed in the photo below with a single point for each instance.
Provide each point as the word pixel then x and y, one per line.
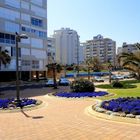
pixel 12 103
pixel 127 105
pixel 80 94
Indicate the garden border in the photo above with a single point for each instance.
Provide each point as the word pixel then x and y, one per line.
pixel 28 108
pixel 53 95
pixel 91 111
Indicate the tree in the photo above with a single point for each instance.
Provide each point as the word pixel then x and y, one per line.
pixel 54 67
pixel 4 57
pixel 131 61
pixel 94 64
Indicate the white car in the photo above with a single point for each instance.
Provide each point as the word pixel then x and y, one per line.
pixel 64 82
pixel 50 83
pixel 117 77
pixel 98 79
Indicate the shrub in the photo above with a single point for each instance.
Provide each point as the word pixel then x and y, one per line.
pixel 117 84
pixel 82 85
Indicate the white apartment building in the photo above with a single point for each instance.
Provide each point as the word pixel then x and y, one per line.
pixel 28 17
pixel 82 52
pixel 103 48
pixel 51 50
pixel 119 50
pixel 129 48
pixel 67 46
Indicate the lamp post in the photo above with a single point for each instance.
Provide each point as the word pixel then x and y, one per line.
pixel 18 39
pixel 110 68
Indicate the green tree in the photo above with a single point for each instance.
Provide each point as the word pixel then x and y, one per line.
pixel 131 61
pixel 54 67
pixel 4 57
pixel 93 63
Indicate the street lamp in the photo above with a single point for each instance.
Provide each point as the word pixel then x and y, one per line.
pixel 18 39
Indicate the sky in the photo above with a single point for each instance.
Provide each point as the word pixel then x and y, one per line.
pixel 115 19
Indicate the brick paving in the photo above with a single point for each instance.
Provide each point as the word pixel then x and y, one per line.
pixel 61 119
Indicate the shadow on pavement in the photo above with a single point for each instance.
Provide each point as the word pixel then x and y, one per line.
pixel 28 116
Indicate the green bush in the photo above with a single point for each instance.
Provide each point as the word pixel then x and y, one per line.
pixel 82 85
pixel 117 84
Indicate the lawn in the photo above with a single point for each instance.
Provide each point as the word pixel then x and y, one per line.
pixel 127 92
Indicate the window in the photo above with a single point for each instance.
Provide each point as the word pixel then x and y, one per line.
pixel 49 53
pixel 13 3
pixel 25 29
pixel 11 27
pixel 38 33
pixel 36 22
pixel 35 64
pixel 7 38
pixel 37 2
pixel 39 11
pixel 25 62
pixel 25 5
pixel 9 14
pixel 25 17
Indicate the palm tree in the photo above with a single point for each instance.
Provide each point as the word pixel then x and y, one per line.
pixel 54 67
pixel 88 61
pixel 131 61
pixel 94 64
pixel 4 57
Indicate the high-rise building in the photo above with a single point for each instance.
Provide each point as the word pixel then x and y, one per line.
pixel 129 48
pixel 67 46
pixel 119 50
pixel 24 17
pixel 51 50
pixel 103 48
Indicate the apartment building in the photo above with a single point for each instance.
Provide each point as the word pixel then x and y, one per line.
pixel 24 17
pixel 51 50
pixel 67 46
pixel 128 48
pixel 103 48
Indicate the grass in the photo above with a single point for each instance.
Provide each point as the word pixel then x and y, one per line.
pixel 127 84
pixel 129 92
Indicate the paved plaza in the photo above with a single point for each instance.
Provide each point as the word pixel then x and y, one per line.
pixel 61 119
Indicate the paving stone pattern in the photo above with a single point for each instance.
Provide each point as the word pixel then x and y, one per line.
pixel 61 119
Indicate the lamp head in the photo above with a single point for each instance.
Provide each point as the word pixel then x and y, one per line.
pixel 23 36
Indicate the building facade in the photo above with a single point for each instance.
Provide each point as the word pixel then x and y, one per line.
pixel 51 50
pixel 103 48
pixel 129 48
pixel 67 46
pixel 30 18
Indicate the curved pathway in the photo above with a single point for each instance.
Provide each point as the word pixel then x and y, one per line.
pixel 63 119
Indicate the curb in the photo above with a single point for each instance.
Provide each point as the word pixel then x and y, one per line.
pixel 89 111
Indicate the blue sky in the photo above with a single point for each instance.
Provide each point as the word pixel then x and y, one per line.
pixel 116 19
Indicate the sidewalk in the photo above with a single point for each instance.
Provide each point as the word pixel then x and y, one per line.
pixel 62 119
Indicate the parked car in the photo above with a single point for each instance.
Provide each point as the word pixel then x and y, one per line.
pixel 128 76
pixel 64 82
pixel 117 77
pixel 98 79
pixel 50 83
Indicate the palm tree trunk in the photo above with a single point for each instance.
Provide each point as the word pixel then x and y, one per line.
pixel 88 73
